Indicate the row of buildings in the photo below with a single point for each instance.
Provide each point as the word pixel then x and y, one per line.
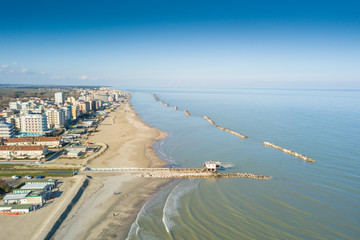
pixel 39 117
pixel 29 197
pixel 29 148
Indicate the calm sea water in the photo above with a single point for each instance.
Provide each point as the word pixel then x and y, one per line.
pixel 303 201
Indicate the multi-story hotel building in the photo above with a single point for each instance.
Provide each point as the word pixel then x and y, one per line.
pixel 55 118
pixel 34 124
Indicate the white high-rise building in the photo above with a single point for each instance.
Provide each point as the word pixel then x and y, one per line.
pixel 7 130
pixel 55 118
pixel 59 98
pixel 15 105
pixel 68 113
pixel 34 124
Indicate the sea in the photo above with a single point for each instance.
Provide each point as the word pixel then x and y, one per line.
pixel 304 200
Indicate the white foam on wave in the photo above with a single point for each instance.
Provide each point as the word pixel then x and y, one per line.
pixel 159 198
pixel 228 165
pixel 160 151
pixel 172 204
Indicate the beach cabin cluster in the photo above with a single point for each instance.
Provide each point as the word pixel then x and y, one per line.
pixel 29 197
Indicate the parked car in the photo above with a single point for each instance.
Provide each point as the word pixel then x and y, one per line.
pixel 38 177
pixel 28 177
pixel 15 177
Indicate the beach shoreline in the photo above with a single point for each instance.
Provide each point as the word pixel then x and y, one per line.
pixel 99 213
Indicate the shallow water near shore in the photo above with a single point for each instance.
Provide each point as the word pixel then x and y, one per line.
pixel 303 201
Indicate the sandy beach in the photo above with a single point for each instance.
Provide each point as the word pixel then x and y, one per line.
pixel 35 225
pixel 99 214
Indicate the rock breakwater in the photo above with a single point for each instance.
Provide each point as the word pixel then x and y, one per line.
pixel 209 120
pixel 167 174
pixel 232 132
pixel 305 158
pixel 156 97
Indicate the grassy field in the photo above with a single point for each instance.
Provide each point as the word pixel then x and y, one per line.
pixel 8 170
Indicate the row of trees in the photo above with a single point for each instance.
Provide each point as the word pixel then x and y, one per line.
pixel 4 187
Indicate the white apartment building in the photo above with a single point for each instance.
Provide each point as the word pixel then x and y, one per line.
pixel 7 130
pixel 75 112
pixel 59 98
pixel 55 118
pixel 15 105
pixel 68 113
pixel 34 124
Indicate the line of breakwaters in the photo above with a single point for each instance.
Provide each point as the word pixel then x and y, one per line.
pixel 224 129
pixel 303 157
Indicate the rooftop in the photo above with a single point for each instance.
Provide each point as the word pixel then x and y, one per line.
pixel 46 139
pixel 18 206
pixel 21 139
pixel 15 196
pixel 29 148
pixel 34 186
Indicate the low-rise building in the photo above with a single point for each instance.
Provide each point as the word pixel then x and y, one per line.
pixel 24 141
pixel 32 152
pixel 74 154
pixel 51 142
pixel 23 152
pixel 22 208
pixel 5 152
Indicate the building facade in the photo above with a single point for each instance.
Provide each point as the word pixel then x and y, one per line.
pixel 34 124
pixel 59 98
pixel 55 118
pixel 7 130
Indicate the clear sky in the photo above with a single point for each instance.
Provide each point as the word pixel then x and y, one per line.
pixel 229 44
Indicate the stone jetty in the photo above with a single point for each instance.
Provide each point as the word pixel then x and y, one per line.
pixel 205 174
pixel 209 120
pixel 232 132
pixel 305 158
pixel 187 112
pixel 156 97
pixel 175 108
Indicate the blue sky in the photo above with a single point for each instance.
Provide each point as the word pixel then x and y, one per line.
pixel 270 44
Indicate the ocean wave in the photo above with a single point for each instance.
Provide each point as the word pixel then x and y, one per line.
pixel 150 204
pixel 172 203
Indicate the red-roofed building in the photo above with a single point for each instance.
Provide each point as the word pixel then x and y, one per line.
pixel 51 142
pixel 23 152
pixel 18 141
pixel 48 141
pixel 5 151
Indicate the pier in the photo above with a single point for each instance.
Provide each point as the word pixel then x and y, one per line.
pixel 179 173
pixel 305 158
